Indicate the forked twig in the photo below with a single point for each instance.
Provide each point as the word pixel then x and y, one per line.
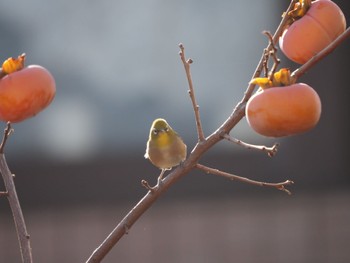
pixel 271 151
pixel 279 186
pixel 271 53
pixel 187 63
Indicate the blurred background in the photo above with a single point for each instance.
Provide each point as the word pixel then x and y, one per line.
pixel 79 163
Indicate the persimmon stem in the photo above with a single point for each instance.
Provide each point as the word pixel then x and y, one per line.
pixel 2 73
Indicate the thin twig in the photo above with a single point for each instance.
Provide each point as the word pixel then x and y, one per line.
pixel 22 233
pixel 326 51
pixel 272 53
pixel 4 194
pixel 265 63
pixel 279 186
pixel 271 151
pixel 145 184
pixel 7 132
pixel 187 64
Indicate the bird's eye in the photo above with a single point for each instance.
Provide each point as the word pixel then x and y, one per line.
pixel 166 129
pixel 155 132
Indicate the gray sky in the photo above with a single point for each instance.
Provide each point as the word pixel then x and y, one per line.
pixel 117 67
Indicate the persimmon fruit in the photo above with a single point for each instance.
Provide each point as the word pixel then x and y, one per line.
pixel 304 38
pixel 284 111
pixel 25 93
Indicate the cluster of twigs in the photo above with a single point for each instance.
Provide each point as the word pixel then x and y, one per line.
pixel 192 162
pixel 205 143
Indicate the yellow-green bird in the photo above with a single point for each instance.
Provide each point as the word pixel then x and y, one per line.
pixel 165 148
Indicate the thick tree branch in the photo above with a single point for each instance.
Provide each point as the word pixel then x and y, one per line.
pixel 22 234
pixel 135 213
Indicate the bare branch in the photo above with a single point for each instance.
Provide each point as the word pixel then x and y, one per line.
pixel 22 234
pixel 203 145
pixel 271 151
pixel 279 186
pixel 7 132
pixel 187 66
pixel 136 212
pixel 326 51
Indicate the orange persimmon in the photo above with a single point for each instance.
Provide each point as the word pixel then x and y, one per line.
pixel 323 22
pixel 283 111
pixel 25 92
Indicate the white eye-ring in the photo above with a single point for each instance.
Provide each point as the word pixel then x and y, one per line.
pixel 166 129
pixel 155 131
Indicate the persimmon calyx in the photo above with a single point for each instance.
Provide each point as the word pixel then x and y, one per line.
pixel 263 83
pixel 300 9
pixel 11 65
pixel 279 79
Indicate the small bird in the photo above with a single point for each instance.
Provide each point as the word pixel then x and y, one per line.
pixel 165 148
